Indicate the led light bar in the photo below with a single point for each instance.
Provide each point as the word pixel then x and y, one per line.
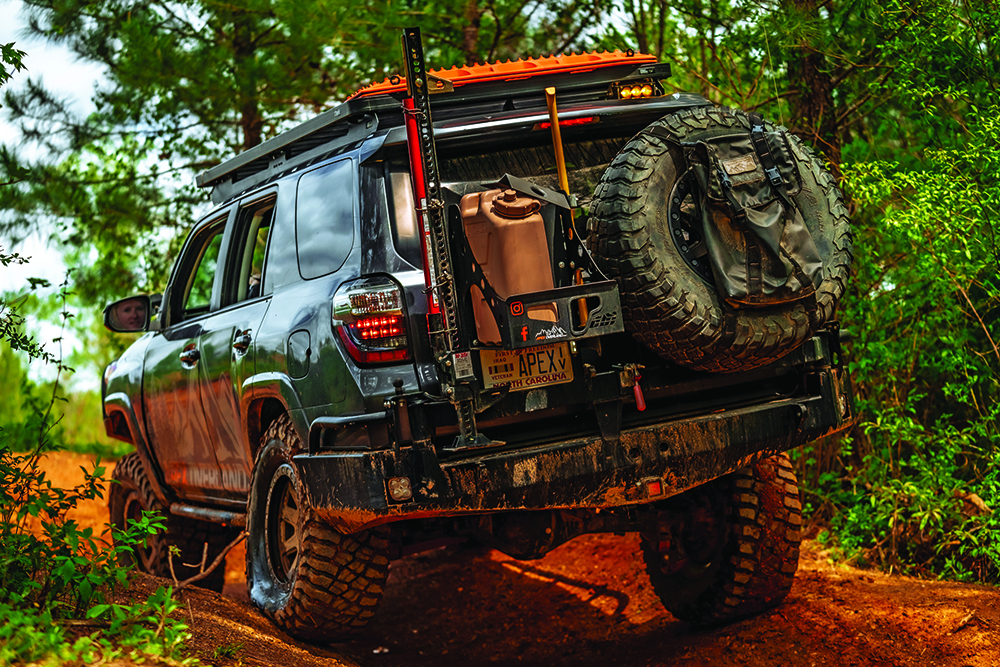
pixel 636 90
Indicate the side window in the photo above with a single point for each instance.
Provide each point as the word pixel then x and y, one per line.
pixel 201 270
pixel 246 267
pixel 405 232
pixel 324 218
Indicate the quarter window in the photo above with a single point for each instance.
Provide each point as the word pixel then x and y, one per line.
pixel 324 218
pixel 405 232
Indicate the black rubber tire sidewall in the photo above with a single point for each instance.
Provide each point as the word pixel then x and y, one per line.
pixel 670 308
pixel 755 563
pixel 266 592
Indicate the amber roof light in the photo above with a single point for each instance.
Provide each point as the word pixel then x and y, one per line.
pixel 515 70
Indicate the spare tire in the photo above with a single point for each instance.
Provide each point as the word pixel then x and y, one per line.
pixel 647 231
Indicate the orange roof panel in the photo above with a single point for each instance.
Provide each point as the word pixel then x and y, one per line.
pixel 574 63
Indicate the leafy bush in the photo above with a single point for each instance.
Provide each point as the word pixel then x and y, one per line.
pixel 917 487
pixel 52 570
pixel 55 575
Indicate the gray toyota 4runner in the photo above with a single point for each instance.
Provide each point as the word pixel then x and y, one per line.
pixel 512 304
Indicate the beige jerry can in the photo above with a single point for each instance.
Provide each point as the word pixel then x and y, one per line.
pixel 507 236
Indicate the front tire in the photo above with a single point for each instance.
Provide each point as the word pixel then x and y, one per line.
pixel 735 548
pixel 311 580
pixel 130 495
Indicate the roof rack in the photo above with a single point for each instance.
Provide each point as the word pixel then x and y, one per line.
pixel 358 117
pixel 328 131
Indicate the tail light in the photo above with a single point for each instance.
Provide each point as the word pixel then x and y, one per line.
pixel 368 316
pixel 567 122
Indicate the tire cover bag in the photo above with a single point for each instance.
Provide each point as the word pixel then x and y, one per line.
pixel 759 247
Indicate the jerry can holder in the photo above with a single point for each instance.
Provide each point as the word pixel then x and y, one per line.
pixel 599 297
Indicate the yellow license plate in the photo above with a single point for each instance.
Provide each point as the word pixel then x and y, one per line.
pixel 528 367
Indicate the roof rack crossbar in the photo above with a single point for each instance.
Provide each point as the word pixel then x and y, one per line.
pixel 277 145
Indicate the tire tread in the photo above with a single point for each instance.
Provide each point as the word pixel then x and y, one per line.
pixel 340 578
pixel 189 536
pixel 761 555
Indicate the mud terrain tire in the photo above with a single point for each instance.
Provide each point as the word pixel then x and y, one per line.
pixel 670 303
pixel 736 552
pixel 311 580
pixel 133 494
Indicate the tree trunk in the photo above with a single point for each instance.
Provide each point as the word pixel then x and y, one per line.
pixel 470 33
pixel 639 26
pixel 814 116
pixel 251 123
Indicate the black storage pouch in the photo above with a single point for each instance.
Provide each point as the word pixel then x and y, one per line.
pixel 759 246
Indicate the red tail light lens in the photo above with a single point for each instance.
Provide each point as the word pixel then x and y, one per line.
pixel 568 122
pixel 368 317
pixel 378 328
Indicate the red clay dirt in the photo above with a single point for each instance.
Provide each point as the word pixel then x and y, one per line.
pixel 589 603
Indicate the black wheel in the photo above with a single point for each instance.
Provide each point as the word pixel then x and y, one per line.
pixel 732 549
pixel 130 495
pixel 313 581
pixel 648 233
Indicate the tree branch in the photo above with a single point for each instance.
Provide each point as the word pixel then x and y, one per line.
pixel 211 568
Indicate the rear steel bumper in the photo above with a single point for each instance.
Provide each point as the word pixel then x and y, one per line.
pixel 350 489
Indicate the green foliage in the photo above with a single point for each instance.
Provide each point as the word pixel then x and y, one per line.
pixel 463 33
pixel 812 66
pixel 917 489
pixel 75 426
pixel 902 99
pixel 227 650
pixel 926 306
pixel 12 320
pixel 54 572
pixel 12 58
pixel 118 185
pixel 900 96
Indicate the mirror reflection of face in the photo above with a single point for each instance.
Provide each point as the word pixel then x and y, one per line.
pixel 132 314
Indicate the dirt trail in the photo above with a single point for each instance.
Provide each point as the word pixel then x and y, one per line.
pixel 589 603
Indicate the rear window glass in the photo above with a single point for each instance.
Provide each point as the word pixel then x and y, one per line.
pixel 324 218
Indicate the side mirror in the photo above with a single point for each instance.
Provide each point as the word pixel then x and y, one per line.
pixel 128 315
